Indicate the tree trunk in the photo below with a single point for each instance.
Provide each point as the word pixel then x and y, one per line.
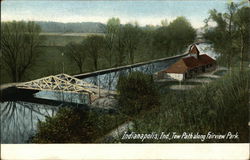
pixel 241 51
pixel 80 68
pixel 110 59
pixel 229 66
pixel 95 65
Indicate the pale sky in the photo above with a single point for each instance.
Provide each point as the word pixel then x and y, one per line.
pixel 143 11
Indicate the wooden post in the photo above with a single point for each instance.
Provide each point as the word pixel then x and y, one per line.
pixel 63 62
pixel 90 100
pixel 99 92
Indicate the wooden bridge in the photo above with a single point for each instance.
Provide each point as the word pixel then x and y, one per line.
pixel 60 82
pixel 67 83
pixel 64 83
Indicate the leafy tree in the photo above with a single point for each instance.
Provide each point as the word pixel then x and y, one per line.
pixel 112 29
pixel 131 38
pixel 94 45
pixel 164 22
pixel 161 40
pixel 146 50
pixel 231 33
pixel 136 93
pixel 20 47
pixel 173 38
pixel 242 21
pixel 77 54
pixel 182 33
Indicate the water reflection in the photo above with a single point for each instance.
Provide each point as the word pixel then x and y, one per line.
pixel 109 80
pixel 70 97
pixel 19 120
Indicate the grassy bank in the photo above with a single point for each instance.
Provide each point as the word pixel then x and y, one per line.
pixel 62 39
pixel 218 107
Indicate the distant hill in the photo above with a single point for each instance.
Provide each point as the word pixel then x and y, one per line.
pixel 83 27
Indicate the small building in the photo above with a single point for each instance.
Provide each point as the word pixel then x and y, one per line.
pixel 189 66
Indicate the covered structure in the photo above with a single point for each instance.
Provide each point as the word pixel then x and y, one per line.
pixel 190 66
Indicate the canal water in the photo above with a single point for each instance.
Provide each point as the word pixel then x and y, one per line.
pixel 19 119
pixel 109 80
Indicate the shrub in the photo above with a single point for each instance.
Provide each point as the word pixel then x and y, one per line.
pixel 221 106
pixel 136 93
pixel 74 125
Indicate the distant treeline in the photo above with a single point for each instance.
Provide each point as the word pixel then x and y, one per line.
pixel 83 27
pixel 124 44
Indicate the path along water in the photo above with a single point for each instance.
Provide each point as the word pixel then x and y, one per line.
pixel 19 119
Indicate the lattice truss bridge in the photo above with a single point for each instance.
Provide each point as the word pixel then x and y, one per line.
pixel 60 82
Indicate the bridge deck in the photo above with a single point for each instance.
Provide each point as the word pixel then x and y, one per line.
pixel 67 83
pixel 100 72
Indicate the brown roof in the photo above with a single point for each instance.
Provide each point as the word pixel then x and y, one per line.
pixel 187 63
pixel 191 62
pixel 178 67
pixel 205 59
pixel 193 49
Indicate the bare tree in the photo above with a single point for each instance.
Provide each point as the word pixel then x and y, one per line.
pixel 112 29
pixel 19 43
pixel 93 46
pixel 120 47
pixel 242 22
pixel 76 53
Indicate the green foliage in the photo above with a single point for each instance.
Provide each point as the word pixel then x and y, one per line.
pixel 74 125
pixel 131 43
pixel 136 93
pixel 230 36
pixel 52 62
pixel 121 41
pixel 120 48
pixel 172 39
pixel 131 39
pixel 146 50
pixel 67 126
pixel 219 107
pixel 242 21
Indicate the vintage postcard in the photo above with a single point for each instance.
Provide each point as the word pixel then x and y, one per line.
pixel 155 72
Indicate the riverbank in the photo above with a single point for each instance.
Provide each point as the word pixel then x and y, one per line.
pixel 194 82
pixel 207 107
